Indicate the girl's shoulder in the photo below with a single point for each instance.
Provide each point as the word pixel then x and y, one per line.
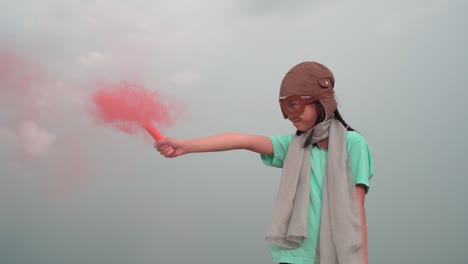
pixel 353 137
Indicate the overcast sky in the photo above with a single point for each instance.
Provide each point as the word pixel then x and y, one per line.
pixel 72 191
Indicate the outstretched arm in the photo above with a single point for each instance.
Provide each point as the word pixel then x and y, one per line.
pixel 172 147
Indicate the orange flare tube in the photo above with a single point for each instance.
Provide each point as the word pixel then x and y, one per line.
pixel 153 131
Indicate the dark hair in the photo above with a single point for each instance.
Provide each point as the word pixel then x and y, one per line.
pixel 321 118
pixel 339 118
pixel 322 114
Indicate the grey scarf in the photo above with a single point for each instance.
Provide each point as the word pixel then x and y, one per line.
pixel 340 238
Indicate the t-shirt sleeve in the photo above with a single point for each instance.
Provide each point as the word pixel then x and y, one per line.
pixel 280 148
pixel 361 159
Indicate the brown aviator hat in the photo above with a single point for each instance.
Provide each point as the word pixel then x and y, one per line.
pixel 313 80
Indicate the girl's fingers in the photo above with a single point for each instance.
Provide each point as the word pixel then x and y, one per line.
pixel 164 148
pixel 172 153
pixel 160 143
pixel 167 151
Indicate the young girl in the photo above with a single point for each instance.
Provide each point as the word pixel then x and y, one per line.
pixel 319 214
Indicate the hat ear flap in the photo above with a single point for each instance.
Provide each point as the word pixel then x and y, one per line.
pixel 329 105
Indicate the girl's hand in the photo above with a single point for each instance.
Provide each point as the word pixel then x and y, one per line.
pixel 171 147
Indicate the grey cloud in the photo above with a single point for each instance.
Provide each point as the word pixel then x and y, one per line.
pixel 265 7
pixel 400 68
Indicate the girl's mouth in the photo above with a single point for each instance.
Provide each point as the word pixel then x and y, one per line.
pixel 295 121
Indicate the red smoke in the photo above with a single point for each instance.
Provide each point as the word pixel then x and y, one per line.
pixel 129 106
pixel 18 74
pixel 30 101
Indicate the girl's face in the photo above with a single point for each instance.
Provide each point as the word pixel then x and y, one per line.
pixel 307 119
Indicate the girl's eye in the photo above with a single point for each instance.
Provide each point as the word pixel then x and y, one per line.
pixel 293 106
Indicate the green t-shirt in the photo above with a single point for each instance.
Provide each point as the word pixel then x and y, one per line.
pixel 361 161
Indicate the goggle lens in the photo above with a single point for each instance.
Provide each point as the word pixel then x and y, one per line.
pixel 292 106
